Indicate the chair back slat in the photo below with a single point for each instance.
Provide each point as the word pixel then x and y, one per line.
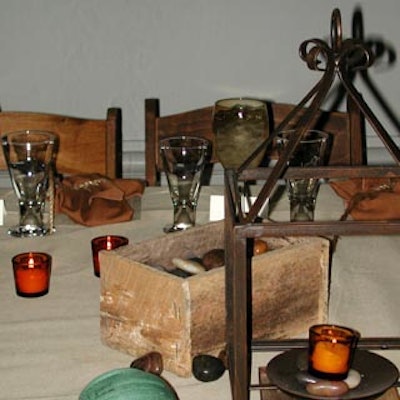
pixel 85 145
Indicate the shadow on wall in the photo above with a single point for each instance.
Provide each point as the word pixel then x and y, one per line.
pixel 385 57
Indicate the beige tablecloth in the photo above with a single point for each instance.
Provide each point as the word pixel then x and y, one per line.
pixel 50 346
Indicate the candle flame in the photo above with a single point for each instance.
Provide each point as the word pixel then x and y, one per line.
pixel 109 243
pixel 31 261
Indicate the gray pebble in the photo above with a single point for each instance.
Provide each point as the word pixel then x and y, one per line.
pixel 192 267
pixel 353 379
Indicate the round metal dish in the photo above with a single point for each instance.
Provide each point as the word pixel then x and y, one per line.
pixel 377 374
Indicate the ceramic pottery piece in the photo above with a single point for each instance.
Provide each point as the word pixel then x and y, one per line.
pixel 127 384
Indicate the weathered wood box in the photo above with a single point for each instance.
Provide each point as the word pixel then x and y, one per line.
pixel 144 309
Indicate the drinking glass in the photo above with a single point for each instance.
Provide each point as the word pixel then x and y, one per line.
pixel 310 152
pixel 29 156
pixel 184 159
pixel 239 125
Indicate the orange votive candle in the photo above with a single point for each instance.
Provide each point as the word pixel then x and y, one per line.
pixel 331 357
pixel 331 350
pixel 32 274
pixel 109 242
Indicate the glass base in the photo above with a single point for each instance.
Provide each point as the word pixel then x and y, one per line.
pixel 29 231
pixel 328 376
pixel 31 295
pixel 176 228
pixel 302 209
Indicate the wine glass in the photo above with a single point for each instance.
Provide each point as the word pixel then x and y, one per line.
pixel 239 125
pixel 29 155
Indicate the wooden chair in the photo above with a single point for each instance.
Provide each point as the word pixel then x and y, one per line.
pixel 198 122
pixel 191 123
pixel 85 145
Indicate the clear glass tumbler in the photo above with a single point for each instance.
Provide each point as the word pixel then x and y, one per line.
pixel 184 159
pixel 29 156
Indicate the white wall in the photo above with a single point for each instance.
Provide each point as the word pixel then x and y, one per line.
pixel 79 57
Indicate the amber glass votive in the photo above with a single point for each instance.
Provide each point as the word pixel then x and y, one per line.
pixel 109 242
pixel 32 274
pixel 331 349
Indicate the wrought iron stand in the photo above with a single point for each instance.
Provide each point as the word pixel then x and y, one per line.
pixel 338 60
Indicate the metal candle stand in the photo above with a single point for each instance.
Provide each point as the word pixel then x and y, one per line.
pixel 340 59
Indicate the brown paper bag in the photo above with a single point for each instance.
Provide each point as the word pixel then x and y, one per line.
pixel 372 199
pixel 94 199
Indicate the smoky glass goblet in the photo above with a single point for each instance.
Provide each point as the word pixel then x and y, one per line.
pixel 240 125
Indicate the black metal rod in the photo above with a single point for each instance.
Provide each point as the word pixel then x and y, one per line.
pixel 367 343
pixel 267 386
pixel 270 386
pixel 320 228
pixel 326 172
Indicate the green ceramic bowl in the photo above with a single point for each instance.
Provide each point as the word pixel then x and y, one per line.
pixel 127 384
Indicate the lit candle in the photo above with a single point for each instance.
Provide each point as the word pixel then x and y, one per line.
pixel 331 357
pixel 32 274
pixel 109 242
pixel 330 350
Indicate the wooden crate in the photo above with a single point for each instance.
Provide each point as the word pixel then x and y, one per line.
pixel 144 309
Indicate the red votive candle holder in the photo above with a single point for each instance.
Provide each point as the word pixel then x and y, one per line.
pixel 109 242
pixel 331 350
pixel 32 274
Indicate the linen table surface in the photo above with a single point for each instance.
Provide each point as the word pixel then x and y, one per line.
pixel 50 346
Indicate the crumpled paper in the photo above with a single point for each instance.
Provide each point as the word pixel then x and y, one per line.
pixel 94 199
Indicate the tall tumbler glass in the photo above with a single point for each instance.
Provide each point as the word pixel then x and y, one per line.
pixel 184 159
pixel 311 152
pixel 29 155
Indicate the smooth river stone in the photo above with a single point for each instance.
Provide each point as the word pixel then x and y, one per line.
pixel 353 379
pixel 213 259
pixel 151 362
pixel 259 247
pixel 207 368
pixel 190 266
pixel 327 388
